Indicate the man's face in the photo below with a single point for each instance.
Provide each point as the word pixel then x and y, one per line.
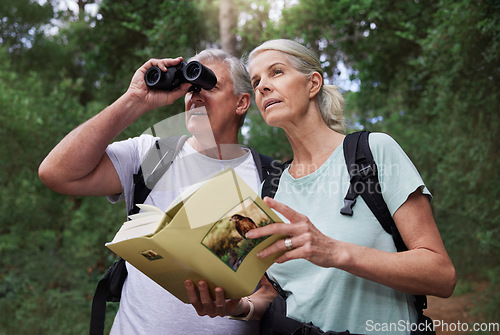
pixel 220 103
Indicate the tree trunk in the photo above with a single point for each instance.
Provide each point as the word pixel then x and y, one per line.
pixel 228 20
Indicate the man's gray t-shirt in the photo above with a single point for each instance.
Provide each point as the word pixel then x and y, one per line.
pixel 145 307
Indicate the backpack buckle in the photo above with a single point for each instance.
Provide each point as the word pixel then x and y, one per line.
pixel 347 209
pixel 368 171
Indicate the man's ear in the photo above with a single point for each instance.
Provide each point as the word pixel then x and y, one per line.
pixel 315 84
pixel 243 103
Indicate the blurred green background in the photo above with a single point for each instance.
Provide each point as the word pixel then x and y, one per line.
pixel 426 72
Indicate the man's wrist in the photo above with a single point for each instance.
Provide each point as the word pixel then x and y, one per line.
pixel 132 103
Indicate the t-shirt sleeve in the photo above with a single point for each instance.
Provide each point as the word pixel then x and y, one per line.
pixel 398 176
pixel 126 157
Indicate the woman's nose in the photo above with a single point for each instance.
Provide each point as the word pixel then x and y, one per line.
pixel 263 86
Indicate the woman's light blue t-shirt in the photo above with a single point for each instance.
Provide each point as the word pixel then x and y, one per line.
pixel 330 298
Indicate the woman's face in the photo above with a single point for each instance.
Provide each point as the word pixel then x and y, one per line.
pixel 282 93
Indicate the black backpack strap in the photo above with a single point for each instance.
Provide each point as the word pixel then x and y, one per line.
pixel 272 181
pixel 364 181
pixel 156 162
pixel 98 312
pixel 350 150
pixel 109 288
pixel 265 165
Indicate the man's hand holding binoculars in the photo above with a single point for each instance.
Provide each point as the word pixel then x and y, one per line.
pixel 154 98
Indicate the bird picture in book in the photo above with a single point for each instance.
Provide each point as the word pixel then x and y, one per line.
pixel 226 239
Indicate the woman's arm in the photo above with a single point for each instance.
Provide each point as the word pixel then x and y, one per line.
pixel 424 269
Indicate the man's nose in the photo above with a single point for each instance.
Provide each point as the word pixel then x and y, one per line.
pixel 194 98
pixel 197 96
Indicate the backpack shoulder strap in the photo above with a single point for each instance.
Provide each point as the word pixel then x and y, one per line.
pixel 156 162
pixel 109 288
pixel 271 183
pixel 265 165
pixel 364 181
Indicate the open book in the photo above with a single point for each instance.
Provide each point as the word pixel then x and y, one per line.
pixel 201 236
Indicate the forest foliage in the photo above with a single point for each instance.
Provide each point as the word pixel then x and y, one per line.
pixel 426 72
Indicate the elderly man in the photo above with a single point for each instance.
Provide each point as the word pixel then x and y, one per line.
pixel 84 163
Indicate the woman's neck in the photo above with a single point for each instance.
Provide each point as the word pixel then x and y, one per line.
pixel 312 148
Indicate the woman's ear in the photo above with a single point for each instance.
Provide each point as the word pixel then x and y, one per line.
pixel 243 103
pixel 315 84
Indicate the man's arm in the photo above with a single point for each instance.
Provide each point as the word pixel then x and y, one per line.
pixel 78 165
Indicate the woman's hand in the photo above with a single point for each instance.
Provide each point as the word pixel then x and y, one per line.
pixel 305 240
pixel 205 305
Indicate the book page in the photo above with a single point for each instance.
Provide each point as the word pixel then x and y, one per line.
pixel 143 223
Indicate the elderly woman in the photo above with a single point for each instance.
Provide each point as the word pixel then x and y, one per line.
pixel 338 272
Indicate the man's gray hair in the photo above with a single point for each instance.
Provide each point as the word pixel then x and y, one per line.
pixel 237 69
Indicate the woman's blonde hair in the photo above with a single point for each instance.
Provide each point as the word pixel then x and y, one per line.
pixel 331 101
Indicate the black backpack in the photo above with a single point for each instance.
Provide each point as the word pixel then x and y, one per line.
pixel 156 162
pixel 363 182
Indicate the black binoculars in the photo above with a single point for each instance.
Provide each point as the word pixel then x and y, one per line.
pixel 198 75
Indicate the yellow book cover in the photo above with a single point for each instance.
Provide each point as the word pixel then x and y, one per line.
pixel 201 236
